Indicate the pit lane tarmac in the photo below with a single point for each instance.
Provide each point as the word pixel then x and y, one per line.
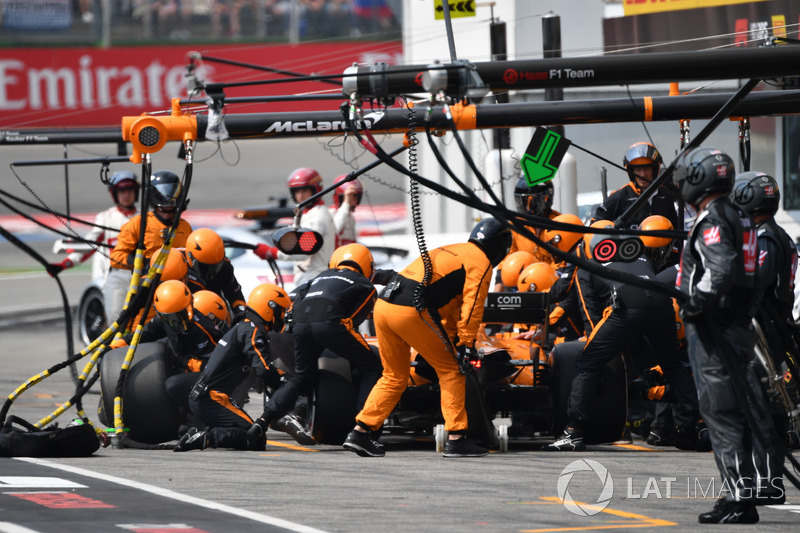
pixel 43 496
pixel 413 488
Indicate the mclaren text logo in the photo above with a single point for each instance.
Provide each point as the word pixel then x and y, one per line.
pixel 303 126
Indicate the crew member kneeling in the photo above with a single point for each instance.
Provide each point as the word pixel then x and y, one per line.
pixel 245 346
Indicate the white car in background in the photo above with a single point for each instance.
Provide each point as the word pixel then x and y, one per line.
pixel 392 252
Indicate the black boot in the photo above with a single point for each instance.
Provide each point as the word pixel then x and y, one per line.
pixel 730 512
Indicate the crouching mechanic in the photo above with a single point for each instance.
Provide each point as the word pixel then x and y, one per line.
pixel 326 314
pixel 461 274
pixel 245 346
pixel 190 335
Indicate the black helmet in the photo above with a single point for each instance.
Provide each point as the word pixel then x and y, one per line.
pixel 641 154
pixel 493 238
pixel 703 171
pixel 756 193
pixel 122 179
pixel 536 200
pixel 165 188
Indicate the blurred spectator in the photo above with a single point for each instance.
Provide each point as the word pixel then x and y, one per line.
pixel 339 20
pixel 251 13
pixel 374 16
pixel 313 13
pixel 87 14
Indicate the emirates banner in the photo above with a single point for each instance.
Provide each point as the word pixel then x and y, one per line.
pixel 742 24
pixel 69 87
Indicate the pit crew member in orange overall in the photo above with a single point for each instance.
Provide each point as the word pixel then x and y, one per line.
pixel 244 346
pixel 538 201
pixel 163 194
pixel 565 318
pixel 460 279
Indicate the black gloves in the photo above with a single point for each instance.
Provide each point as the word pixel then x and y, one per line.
pixel 465 357
pixel 695 306
pixel 638 388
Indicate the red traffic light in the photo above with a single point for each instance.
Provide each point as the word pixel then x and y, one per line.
pixel 292 241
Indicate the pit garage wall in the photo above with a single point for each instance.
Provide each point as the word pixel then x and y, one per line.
pixel 73 87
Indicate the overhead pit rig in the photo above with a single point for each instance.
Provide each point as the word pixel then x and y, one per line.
pixel 383 83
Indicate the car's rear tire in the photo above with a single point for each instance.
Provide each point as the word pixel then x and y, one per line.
pixel 148 413
pixel 609 407
pixel 91 315
pixel 333 409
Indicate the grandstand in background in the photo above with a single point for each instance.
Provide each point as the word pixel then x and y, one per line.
pixel 131 22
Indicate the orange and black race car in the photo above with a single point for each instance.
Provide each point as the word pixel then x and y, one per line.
pixel 516 380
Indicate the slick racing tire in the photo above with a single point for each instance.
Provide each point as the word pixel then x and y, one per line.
pixel 610 405
pixel 333 409
pixel 147 411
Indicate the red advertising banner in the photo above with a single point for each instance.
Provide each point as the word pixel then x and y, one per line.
pixel 69 87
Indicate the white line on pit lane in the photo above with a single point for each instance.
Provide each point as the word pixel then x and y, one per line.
pixel 8 527
pixel 27 482
pixel 257 517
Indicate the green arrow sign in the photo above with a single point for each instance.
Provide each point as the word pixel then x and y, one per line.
pixel 543 155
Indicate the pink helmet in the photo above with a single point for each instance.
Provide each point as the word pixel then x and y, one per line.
pixel 338 193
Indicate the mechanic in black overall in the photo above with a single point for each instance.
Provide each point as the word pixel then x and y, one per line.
pixel 630 312
pixel 757 194
pixel 190 334
pixel 210 270
pixel 326 313
pixel 245 346
pixel 718 275
pixel 643 164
